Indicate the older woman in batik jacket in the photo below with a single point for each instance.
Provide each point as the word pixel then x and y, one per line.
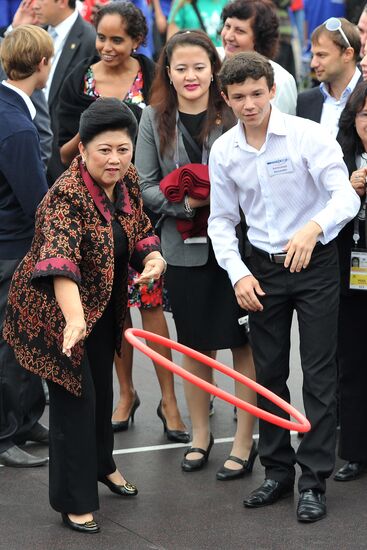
pixel 68 300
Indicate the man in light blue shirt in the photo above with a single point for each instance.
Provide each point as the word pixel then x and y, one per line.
pixel 288 177
pixel 335 54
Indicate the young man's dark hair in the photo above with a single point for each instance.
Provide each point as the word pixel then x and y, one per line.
pixel 245 65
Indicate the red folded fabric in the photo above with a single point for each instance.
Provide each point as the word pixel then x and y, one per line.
pixel 197 226
pixel 191 180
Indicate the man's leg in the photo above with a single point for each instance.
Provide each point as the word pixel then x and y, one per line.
pixel 21 396
pixel 317 308
pixel 270 340
pixel 317 300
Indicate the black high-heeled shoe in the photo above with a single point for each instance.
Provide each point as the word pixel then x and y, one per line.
pixel 87 527
pixel 122 425
pixel 173 435
pixel 247 465
pixel 126 490
pixel 190 465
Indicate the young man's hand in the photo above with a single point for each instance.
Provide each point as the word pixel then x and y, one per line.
pixel 247 291
pixel 300 247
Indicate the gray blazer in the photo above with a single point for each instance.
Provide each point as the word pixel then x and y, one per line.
pixel 152 168
pixel 41 120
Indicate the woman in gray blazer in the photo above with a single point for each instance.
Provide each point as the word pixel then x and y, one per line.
pixel 186 115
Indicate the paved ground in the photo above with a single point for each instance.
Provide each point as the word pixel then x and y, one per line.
pixel 175 510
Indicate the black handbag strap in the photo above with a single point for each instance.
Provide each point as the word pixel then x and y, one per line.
pixel 189 137
pixel 198 15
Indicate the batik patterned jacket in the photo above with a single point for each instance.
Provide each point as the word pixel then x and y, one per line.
pixel 73 238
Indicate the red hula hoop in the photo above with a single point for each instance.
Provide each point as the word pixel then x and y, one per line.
pixel 302 425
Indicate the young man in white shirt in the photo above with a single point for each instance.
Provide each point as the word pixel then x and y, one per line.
pixel 289 178
pixel 253 25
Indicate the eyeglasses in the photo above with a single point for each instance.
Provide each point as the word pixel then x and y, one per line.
pixel 334 24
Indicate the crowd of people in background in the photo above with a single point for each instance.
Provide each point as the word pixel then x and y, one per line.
pixel 142 146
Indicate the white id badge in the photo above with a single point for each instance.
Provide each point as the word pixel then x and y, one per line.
pixel 279 166
pixel 358 269
pixel 196 240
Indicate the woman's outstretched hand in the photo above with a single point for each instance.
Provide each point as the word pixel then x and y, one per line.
pixel 74 331
pixel 153 270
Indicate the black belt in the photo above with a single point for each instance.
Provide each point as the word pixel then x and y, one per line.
pixel 276 258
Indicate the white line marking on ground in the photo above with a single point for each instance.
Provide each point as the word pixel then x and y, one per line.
pixel 172 446
pixel 167 446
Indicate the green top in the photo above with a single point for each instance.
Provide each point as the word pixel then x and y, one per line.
pixel 210 10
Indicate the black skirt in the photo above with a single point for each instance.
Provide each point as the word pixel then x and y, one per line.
pixel 204 306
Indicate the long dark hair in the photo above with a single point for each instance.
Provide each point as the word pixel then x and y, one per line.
pixel 163 96
pixel 348 138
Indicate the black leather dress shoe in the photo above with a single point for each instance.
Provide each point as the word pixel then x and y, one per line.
pixel 228 473
pixel 17 458
pixel 189 465
pixel 311 506
pixel 350 471
pixel 38 434
pixel 268 493
pixel 87 527
pixel 126 490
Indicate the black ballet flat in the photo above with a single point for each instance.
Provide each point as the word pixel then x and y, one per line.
pixel 123 425
pixel 172 435
pixel 87 527
pixel 191 465
pixel 247 465
pixel 126 490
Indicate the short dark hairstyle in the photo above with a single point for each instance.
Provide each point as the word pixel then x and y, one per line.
pixel 245 65
pixel 105 114
pixel 72 4
pixel 133 18
pixel 263 20
pixel 349 139
pixel 350 31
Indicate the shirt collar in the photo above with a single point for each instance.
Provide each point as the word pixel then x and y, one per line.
pixel 276 126
pixel 324 86
pixel 102 202
pixel 24 96
pixel 64 27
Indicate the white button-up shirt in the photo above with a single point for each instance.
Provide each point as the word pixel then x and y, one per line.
pixel 62 30
pixel 298 175
pixel 27 100
pixel 332 107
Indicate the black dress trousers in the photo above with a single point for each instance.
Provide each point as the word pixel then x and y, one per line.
pixel 352 364
pixel 314 295
pixel 81 436
pixel 22 399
